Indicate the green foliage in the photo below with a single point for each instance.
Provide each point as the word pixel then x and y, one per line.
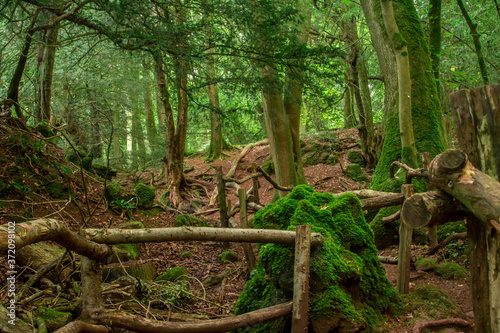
pixel 44 130
pixel 72 156
pixel 185 254
pixel 348 281
pixel 447 229
pixel 127 251
pixel 145 196
pixel 122 206
pixel 425 264
pixel 451 270
pixel 174 274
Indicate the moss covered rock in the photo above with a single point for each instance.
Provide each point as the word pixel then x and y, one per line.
pixel 54 319
pixel 451 270
pixel 228 256
pixel 185 254
pixel 44 130
pixel 103 171
pixel 112 192
pixel 349 288
pixel 72 156
pixel 355 157
pixel 190 221
pixel 354 172
pixel 56 189
pixel 425 264
pixel 174 274
pixel 145 196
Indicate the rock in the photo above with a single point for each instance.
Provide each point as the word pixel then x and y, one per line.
pixel 112 192
pixel 228 256
pixel 354 156
pixel 332 159
pixel 72 156
pixel 354 172
pixel 143 270
pixel 190 221
pixel 174 274
pixel 102 170
pixel 145 196
pixel 56 189
pixel 451 270
pixel 45 130
pixel 54 319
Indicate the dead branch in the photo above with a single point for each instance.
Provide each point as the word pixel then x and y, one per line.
pixel 388 260
pixel 79 326
pixel 50 229
pixel 391 218
pixel 443 322
pixel 245 151
pixel 272 181
pixel 139 324
pixel 447 241
pixel 411 173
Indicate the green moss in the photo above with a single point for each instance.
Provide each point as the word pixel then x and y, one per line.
pixel 103 171
pixel 145 196
pixel 354 172
pixel 190 221
pixel 53 319
pixel 347 280
pixel 228 256
pixel 268 165
pixel 127 251
pixel 447 229
pixel 425 264
pixel 431 302
pixel 174 274
pixel 451 270
pixel 112 192
pixel 56 189
pixel 185 254
pixel 356 157
pixel 72 156
pixel 44 130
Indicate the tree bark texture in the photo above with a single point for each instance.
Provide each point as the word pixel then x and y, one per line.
pixel 300 312
pixel 140 324
pixel 278 129
pixel 435 40
pixel 155 235
pixel 349 116
pixel 476 115
pixel 49 229
pixel 247 248
pixel 92 302
pixel 151 132
pixel 404 254
pixel 430 209
pixel 480 194
pixel 404 83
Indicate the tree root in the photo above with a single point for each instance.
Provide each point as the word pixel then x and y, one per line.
pixel 447 241
pixel 450 321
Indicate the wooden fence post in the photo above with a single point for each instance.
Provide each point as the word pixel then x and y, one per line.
pixel 300 311
pixel 222 203
pixel 247 248
pixel 404 257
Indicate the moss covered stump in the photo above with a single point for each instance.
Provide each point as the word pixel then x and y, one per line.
pixel 349 289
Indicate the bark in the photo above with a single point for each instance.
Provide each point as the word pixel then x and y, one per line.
pixel 476 115
pixel 423 326
pixel 294 87
pixel 79 326
pixel 138 144
pixel 45 68
pixel 139 324
pixel 49 229
pixel 117 236
pixel 222 202
pixel 404 250
pixel 95 135
pixel 151 132
pixel 431 209
pixel 247 248
pixel 390 199
pixel 300 312
pixel 116 133
pixel 404 82
pixel 160 107
pixel 477 43
pixel 349 116
pixel 435 40
pixel 92 302
pixel 278 129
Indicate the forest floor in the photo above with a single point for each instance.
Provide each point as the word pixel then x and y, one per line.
pixel 203 262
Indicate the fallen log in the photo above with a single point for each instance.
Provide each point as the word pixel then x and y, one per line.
pixel 119 236
pixel 245 151
pixel 35 231
pixel 389 199
pixel 430 209
pixel 421 327
pixel 140 324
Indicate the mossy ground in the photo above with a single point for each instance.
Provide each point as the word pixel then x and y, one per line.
pixel 348 281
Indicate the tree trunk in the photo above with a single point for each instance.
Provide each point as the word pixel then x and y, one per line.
pixel 349 116
pixel 160 107
pixel 151 132
pixel 476 115
pixel 477 42
pixel 117 133
pixel 138 144
pixel 95 135
pixel 293 89
pixel 45 69
pixel 278 129
pixel 435 40
pixel 409 151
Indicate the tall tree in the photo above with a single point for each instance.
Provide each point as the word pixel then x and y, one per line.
pixel 151 132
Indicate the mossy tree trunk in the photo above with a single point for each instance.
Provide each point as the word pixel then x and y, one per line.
pixel 477 43
pixel 151 132
pixel 409 151
pixel 278 128
pixel 293 89
pixel 46 55
pixel 435 40
pixel 160 107
pixel 349 116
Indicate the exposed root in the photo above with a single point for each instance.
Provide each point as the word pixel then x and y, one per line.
pixel 443 322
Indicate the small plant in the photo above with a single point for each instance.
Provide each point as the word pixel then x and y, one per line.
pixel 123 207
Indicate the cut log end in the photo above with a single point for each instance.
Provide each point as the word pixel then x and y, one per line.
pixel 452 160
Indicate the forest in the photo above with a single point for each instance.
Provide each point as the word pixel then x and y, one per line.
pixel 249 166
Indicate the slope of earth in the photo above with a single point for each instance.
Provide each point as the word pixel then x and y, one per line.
pixel 30 164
